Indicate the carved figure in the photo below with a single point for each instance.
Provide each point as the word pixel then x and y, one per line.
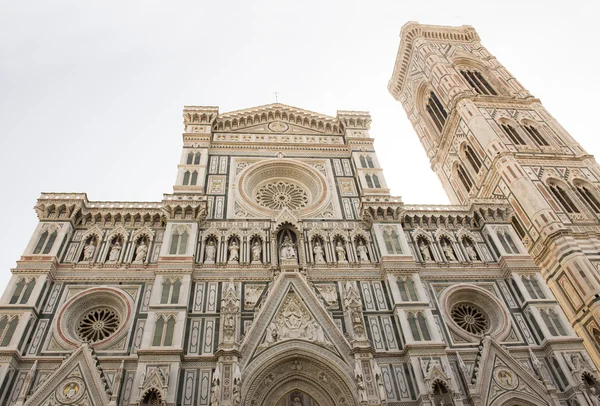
pixel 340 251
pixel 319 253
pixel 363 254
pixel 471 252
pixel 448 251
pixel 256 251
pixel 210 252
pixel 115 250
pixel 362 393
pixel 287 250
pixel 234 252
pixel 594 397
pixel 424 248
pixel 379 381
pixel 141 251
pixel 88 251
pixel 272 334
pixel 296 402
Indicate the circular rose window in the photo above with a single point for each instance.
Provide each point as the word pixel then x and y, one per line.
pixel 98 325
pixel 278 195
pixel 470 318
pixel 98 316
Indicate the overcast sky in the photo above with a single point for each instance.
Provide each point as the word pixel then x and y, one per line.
pixel 91 93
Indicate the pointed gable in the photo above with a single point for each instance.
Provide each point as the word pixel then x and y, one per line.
pixel 79 379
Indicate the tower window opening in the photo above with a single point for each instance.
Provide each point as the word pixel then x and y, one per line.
pixel 464 178
pixel 370 162
pixel 535 134
pixel 186 178
pixel 369 181
pixel 476 80
pixel 190 158
pixel 512 133
pixel 376 181
pixel 473 158
pixel 363 161
pixel 565 201
pixel 197 158
pixel 588 197
pixel 436 111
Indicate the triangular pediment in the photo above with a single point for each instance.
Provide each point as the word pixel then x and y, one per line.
pixel 78 380
pixel 292 311
pixel 499 376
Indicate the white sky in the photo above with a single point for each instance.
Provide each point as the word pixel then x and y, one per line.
pixel 91 93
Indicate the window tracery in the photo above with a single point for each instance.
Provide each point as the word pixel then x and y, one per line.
pixel 477 81
pixel 408 292
pixel 8 325
pixel 279 195
pixel 98 324
pixel 22 292
pixel 369 181
pixel 170 291
pixel 464 177
pixel 163 331
pixel 512 134
pixel 532 286
pixel 562 197
pixel 45 242
pixel 436 111
pixel 470 318
pixel 472 157
pixel 588 196
pixel 535 135
pixel 552 321
pixel 179 240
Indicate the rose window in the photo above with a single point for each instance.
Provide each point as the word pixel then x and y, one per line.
pixel 470 318
pixel 98 325
pixel 278 195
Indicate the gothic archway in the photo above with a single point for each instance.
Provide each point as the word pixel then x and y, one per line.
pixel 297 398
pixel 302 366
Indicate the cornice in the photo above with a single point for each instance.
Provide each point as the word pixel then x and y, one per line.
pixel 412 31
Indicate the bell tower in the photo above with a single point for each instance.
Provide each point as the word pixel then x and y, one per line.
pixel 487 137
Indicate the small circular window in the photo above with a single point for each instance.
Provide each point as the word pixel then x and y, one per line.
pixel 98 325
pixel 470 318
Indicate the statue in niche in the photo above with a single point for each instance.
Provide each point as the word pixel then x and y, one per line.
pixel 272 334
pixel 88 251
pixel 234 252
pixel 319 253
pixel 287 250
pixel 210 252
pixel 424 248
pixel 448 250
pixel 471 252
pixel 361 250
pixel 115 251
pixel 256 251
pixel 594 397
pixel 340 251
pixel 141 251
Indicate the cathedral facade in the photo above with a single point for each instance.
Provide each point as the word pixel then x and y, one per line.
pixel 281 272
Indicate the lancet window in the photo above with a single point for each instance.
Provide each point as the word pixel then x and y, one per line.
pixel 369 181
pixel 553 322
pixel 408 292
pixel 436 111
pixel 518 227
pixel 170 291
pixel 178 243
pixel 563 198
pixel 535 135
pixel 533 287
pixel 8 325
pixel 376 181
pixel 45 243
pixel 536 326
pixel 473 158
pixel 418 326
pixel 476 80
pixel 512 133
pixel 392 241
pixel 558 374
pixel 163 331
pixel 589 197
pixel 22 292
pixel 464 177
pixel 190 178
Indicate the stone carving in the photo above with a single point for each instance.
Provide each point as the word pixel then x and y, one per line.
pixel 424 248
pixel 380 383
pixel 115 251
pixel 594 397
pixel 360 384
pixel 506 379
pixel 354 306
pixel 363 254
pixel 251 295
pixel 448 250
pixel 287 250
pixel 234 252
pixel 71 391
pixel 340 252
pixel 141 252
pixel 319 253
pixel 88 251
pixel 256 253
pixel 294 321
pixel 215 391
pixel 470 249
pixel 329 294
pixel 210 252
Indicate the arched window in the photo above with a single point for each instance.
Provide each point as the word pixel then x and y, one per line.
pixel 41 242
pixel 166 291
pixel 511 244
pixel 511 133
pixel 186 178
pixel 536 326
pixel 558 374
pixel 533 287
pixel 197 158
pixel 535 134
pixel 190 158
pixel 151 399
pixel 553 323
pixel 183 243
pixel 363 161
pixel 7 329
pixel 407 290
pixel 493 245
pixel 395 242
pixel 170 291
pixel 473 158
pixel 369 181
pixel 175 291
pixel 504 243
pixel 464 177
pixel 174 244
pixel 588 197
pixel 168 340
pixel 476 80
pixel 178 243
pixel 163 331
pixel 517 290
pixel 518 227
pixel 49 243
pixel 376 181
pixel 370 162
pixel 22 292
pixel 418 327
pixel 436 110
pixel 194 178
pixel 159 326
pixel 563 198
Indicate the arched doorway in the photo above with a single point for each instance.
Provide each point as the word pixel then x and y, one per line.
pixel 297 366
pixel 297 398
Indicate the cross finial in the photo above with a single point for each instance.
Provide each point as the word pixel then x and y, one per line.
pixel 276 97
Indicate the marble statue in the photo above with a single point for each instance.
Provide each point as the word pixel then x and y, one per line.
pixel 319 253
pixel 210 252
pixel 287 250
pixel 88 251
pixel 340 251
pixel 470 250
pixel 424 248
pixel 115 251
pixel 256 251
pixel 234 253
pixel 448 251
pixel 363 254
pixel 141 251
